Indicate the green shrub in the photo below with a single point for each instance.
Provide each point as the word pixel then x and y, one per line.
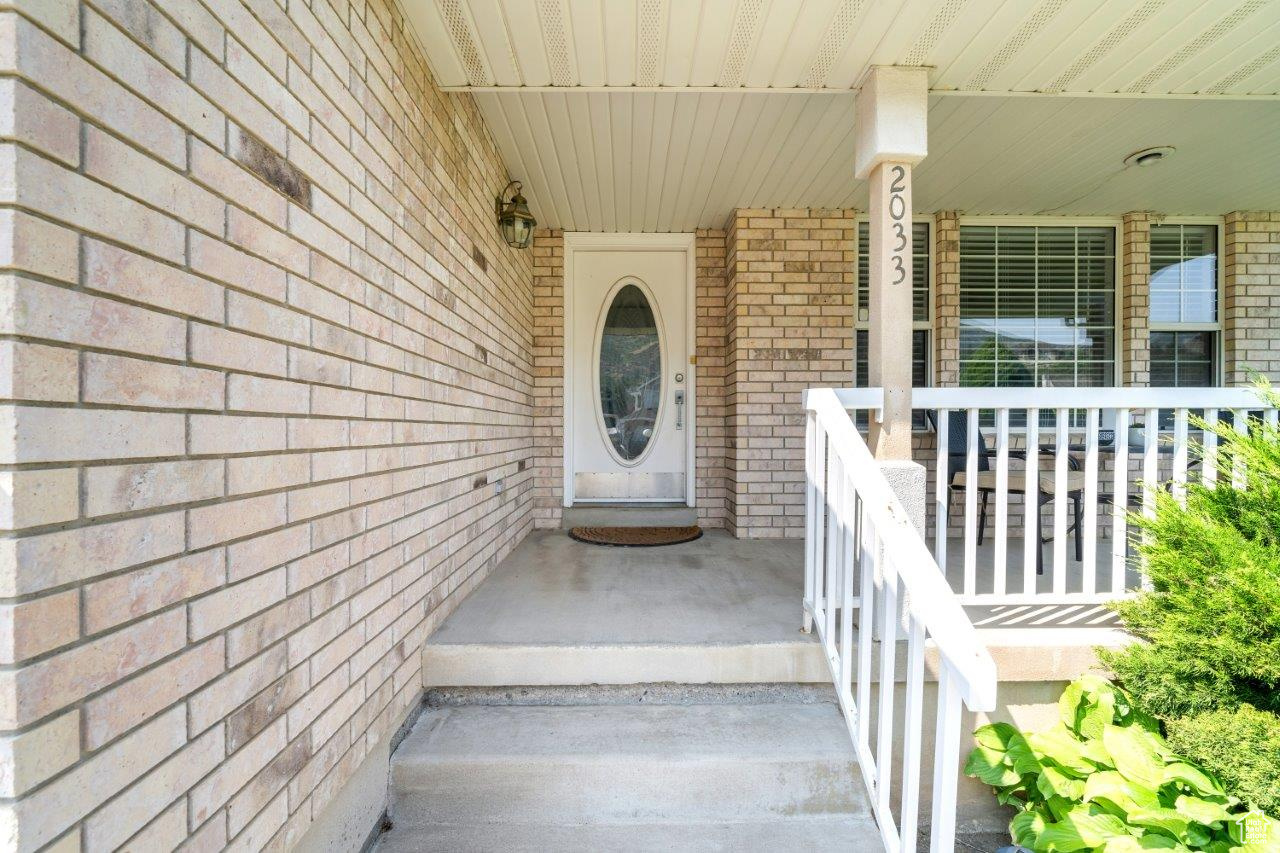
pixel 1211 622
pixel 1103 778
pixel 1241 747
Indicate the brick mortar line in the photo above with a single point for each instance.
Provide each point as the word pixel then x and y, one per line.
pixel 462 258
pixel 188 552
pixel 80 287
pixel 87 521
pixel 191 644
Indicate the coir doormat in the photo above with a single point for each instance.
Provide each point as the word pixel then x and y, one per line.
pixel 635 537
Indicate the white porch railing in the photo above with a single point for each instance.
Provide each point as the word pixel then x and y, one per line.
pixel 1086 454
pixel 862 551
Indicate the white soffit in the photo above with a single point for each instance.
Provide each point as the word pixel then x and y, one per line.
pixel 675 162
pixel 665 115
pixel 1136 47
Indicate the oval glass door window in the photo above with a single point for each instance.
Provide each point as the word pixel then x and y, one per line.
pixel 630 373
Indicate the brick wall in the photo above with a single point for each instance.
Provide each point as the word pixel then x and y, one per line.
pixel 1252 301
pixel 790 326
pixel 267 359
pixel 712 490
pixel 946 299
pixel 1135 302
pixel 548 377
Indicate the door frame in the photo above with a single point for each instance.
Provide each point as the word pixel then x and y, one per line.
pixel 583 241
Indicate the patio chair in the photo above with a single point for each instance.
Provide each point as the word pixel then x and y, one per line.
pixel 957 479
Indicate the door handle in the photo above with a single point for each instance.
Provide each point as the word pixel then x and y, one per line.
pixel 679 410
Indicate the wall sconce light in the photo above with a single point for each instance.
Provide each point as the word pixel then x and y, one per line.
pixel 514 218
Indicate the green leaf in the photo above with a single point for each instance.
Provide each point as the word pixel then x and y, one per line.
pixel 1052 782
pixel 1108 786
pixel 989 766
pixel 996 736
pixel 1026 827
pixel 1193 777
pixel 1129 844
pixel 1059 745
pixel 1167 820
pixel 1135 755
pixel 1201 811
pixel 1087 705
pixel 1080 830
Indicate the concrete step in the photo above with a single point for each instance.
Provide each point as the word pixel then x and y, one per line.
pixel 625 764
pixel 446 664
pixel 628 515
pixel 778 835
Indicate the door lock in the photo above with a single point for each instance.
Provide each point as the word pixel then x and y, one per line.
pixel 679 410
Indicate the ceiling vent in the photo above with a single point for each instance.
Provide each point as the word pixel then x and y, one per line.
pixel 1149 156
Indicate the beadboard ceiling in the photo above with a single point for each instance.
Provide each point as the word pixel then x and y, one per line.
pixel 664 115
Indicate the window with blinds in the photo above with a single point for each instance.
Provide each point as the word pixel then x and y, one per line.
pixel 1184 305
pixel 921 301
pixel 1037 306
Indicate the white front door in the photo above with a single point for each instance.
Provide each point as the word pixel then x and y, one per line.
pixel 629 387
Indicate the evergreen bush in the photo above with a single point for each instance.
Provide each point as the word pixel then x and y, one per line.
pixel 1251 772
pixel 1208 664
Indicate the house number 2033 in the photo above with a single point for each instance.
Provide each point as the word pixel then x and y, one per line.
pixel 897 222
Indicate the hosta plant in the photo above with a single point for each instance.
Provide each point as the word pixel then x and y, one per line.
pixel 1102 778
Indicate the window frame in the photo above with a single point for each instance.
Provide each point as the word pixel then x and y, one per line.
pixel 1219 351
pixel 926 325
pixel 1113 222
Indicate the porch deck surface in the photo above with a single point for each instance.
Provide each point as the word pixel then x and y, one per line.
pixel 554 590
pixel 717 590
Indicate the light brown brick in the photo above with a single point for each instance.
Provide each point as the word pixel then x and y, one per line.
pixel 32 692
pixel 130 702
pixel 32 498
pixel 129 596
pixel 38 625
pixel 132 382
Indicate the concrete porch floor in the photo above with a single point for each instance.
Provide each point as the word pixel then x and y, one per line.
pixel 717 610
pixel 717 589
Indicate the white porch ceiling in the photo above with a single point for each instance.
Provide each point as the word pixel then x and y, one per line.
pixel 1223 47
pixel 664 115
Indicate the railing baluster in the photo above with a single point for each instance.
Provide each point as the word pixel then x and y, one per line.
pixel 946 764
pixel 849 546
pixel 834 539
pixel 866 631
pixel 1060 497
pixel 1180 455
pixel 1238 474
pixel 941 489
pixel 822 477
pixel 1031 530
pixel 888 656
pixel 999 564
pixel 1150 462
pixel 1120 504
pixel 810 517
pixel 1090 567
pixel 971 505
pixel 1209 462
pixel 913 719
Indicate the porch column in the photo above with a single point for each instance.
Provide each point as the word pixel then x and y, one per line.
pixel 891 136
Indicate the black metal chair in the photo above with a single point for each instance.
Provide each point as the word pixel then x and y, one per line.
pixel 957 479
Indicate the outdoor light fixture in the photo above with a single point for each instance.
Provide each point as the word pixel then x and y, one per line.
pixel 514 218
pixel 1148 156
